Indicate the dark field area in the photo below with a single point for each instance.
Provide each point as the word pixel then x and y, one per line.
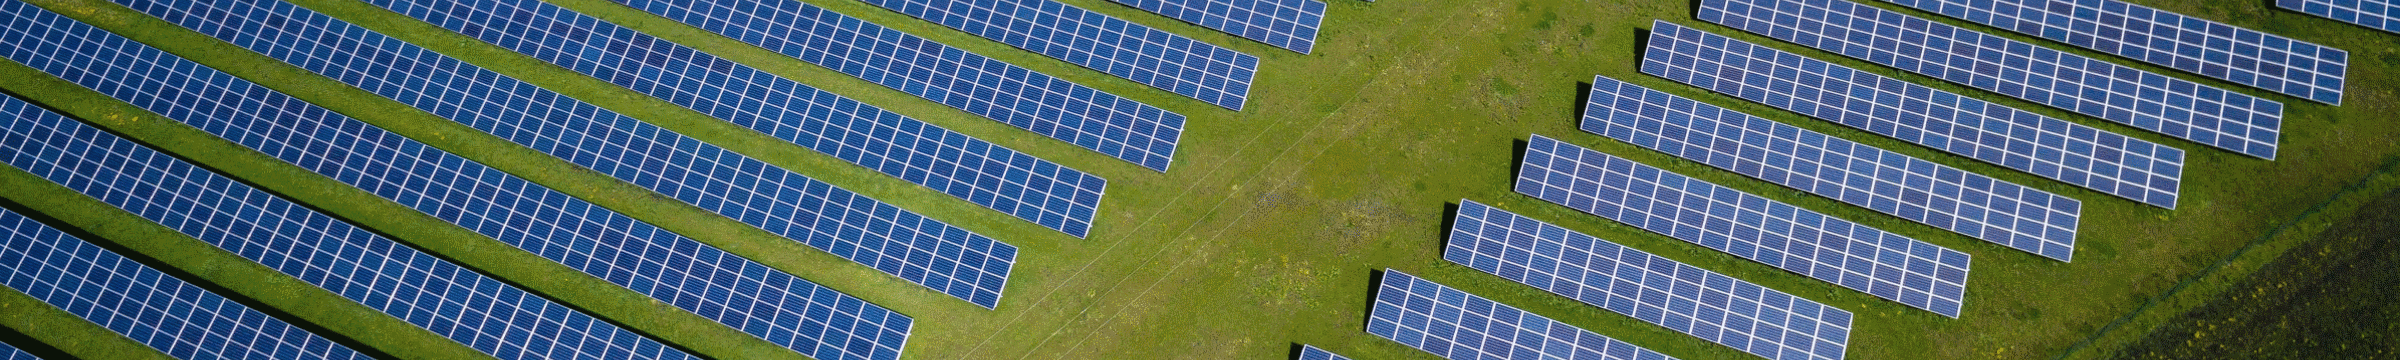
pixel 2328 299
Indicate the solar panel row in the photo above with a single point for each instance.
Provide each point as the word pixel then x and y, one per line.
pixel 2377 14
pixel 1998 211
pixel 921 250
pixel 1822 247
pixel 987 174
pixel 451 301
pixel 683 272
pixel 1092 119
pixel 2191 44
pixel 2081 155
pixel 1457 325
pixel 1288 24
pixel 11 353
pixel 1311 352
pixel 2159 103
pixel 1712 306
pixel 1160 59
pixel 141 303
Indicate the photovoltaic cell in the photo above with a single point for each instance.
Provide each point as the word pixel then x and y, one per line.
pixel 1062 110
pixel 2377 14
pixel 1998 211
pixel 987 174
pixel 2080 155
pixel 2191 44
pixel 680 271
pixel 1311 352
pixel 1457 325
pixel 11 353
pixel 1712 306
pixel 1170 62
pixel 1822 247
pixel 138 302
pixel 921 250
pixel 1288 24
pixel 2159 103
pixel 451 301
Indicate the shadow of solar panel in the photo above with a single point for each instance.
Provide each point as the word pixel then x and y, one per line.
pixel 680 271
pixel 1701 303
pixel 451 301
pixel 1070 112
pixel 921 250
pixel 978 171
pixel 1145 55
pixel 1971 204
pixel 2194 45
pixel 1457 325
pixel 1787 237
pixel 1288 24
pixel 1311 352
pixel 2080 155
pixel 2375 14
pixel 2159 103
pixel 138 302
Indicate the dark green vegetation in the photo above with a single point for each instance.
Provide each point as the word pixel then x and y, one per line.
pixel 1269 226
pixel 2327 299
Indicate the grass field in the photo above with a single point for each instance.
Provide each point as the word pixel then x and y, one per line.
pixel 1273 219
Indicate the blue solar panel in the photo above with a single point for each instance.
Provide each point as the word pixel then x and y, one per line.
pixel 11 353
pixel 2191 44
pixel 138 302
pixel 1712 306
pixel 1311 352
pixel 2081 155
pixel 451 301
pixel 1787 237
pixel 1021 185
pixel 919 249
pixel 1998 211
pixel 1288 24
pixel 1157 58
pixel 1457 325
pixel 2159 103
pixel 2377 14
pixel 680 271
pixel 1062 110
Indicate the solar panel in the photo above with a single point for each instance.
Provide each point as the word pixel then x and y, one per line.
pixel 1030 100
pixel 141 303
pixel 922 250
pixel 2377 14
pixel 11 353
pixel 2191 44
pixel 483 313
pixel 675 270
pixel 987 174
pixel 2080 155
pixel 1311 352
pixel 1787 237
pixel 1145 55
pixel 1457 325
pixel 2159 103
pixel 1288 24
pixel 1971 204
pixel 1712 306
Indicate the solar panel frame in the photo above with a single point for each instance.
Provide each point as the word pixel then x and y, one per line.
pixel 1288 24
pixel 1694 301
pixel 2193 45
pixel 139 302
pixel 1926 192
pixel 1454 324
pixel 483 313
pixel 675 270
pixel 1822 247
pixel 2079 155
pixel 2374 14
pixel 921 250
pixel 2167 105
pixel 1311 352
pixel 1122 128
pixel 1160 59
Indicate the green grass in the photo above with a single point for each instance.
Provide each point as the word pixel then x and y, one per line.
pixel 1273 218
